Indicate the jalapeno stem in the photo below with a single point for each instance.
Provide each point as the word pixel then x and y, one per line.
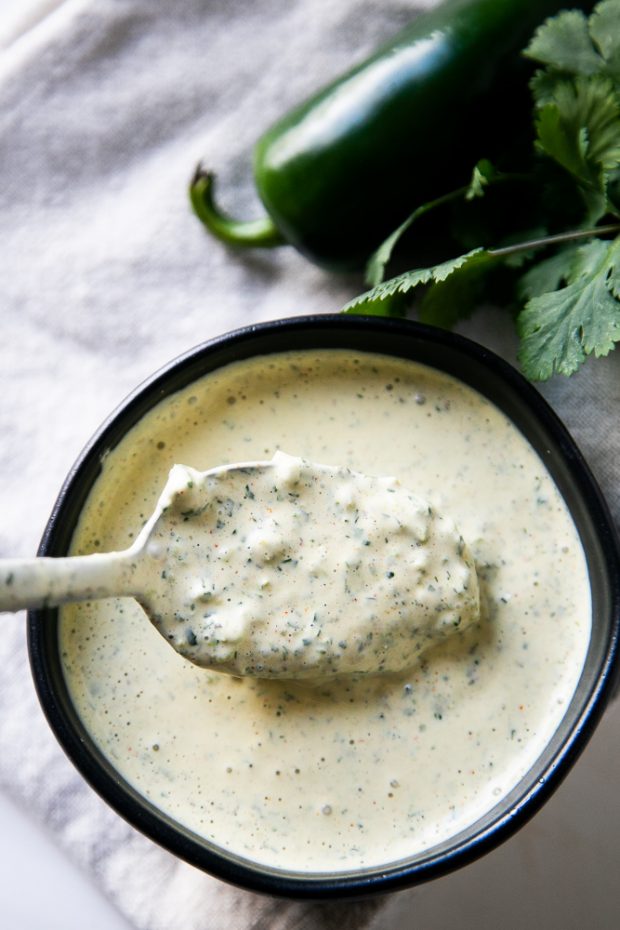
pixel 261 233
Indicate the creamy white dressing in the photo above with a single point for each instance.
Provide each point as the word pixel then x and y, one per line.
pixel 351 773
pixel 293 569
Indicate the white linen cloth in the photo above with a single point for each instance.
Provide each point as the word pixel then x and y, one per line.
pixel 105 107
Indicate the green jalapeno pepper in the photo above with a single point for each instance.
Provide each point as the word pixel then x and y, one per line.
pixel 341 171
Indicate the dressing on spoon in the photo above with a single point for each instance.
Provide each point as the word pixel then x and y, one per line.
pixel 280 569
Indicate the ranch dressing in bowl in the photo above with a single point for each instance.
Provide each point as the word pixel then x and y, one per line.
pixel 355 773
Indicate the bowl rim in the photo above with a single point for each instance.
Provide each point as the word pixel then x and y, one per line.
pixel 142 814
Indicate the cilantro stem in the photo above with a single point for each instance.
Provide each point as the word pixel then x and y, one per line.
pixel 375 268
pixel 459 192
pixel 378 261
pixel 570 236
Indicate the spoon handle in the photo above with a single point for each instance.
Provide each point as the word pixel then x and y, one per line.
pixel 48 582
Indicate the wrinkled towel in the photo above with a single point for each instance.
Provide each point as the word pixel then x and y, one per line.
pixel 105 107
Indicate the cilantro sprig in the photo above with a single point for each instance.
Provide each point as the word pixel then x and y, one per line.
pixel 565 280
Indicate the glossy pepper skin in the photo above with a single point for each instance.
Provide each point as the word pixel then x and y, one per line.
pixel 341 171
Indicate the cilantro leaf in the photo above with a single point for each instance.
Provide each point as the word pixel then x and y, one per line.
pixel 580 129
pixel 606 35
pixel 481 176
pixel 543 84
pixel 456 296
pixel 564 44
pixel 547 274
pixel 560 328
pixel 386 289
pixel 452 288
pixel 570 44
pixel 577 96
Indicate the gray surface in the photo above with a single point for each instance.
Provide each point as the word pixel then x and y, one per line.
pixel 40 887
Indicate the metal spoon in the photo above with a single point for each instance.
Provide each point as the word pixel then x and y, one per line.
pixel 279 569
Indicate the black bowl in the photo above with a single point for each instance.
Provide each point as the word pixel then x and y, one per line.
pixel 493 378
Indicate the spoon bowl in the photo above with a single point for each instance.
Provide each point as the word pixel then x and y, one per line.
pixel 250 569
